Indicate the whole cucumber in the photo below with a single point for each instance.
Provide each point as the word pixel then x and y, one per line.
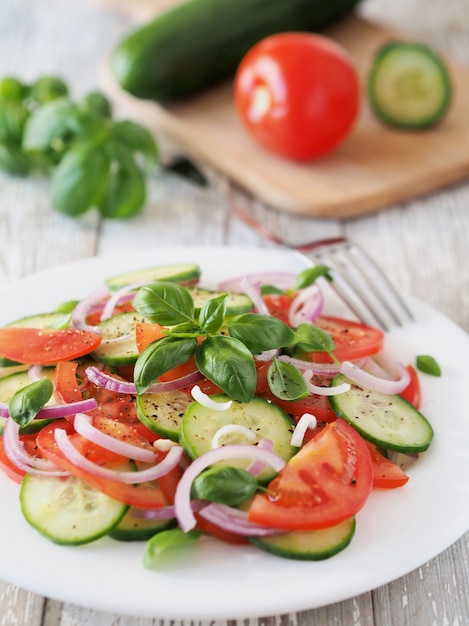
pixel 201 42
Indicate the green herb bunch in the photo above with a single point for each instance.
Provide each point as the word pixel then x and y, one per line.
pixel 93 160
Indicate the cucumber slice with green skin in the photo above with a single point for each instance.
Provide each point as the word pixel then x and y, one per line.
pixel 162 413
pixel 236 303
pixel 409 85
pixel 122 352
pixel 388 421
pixel 311 545
pixel 68 511
pixel 132 528
pixel 263 418
pixel 187 273
pixel 9 385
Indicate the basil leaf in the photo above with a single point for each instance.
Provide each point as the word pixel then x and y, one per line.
pixel 167 540
pixel 28 401
pixel 229 364
pixel 125 193
pixel 159 357
pixel 165 303
pixel 227 485
pixel 260 332
pixel 286 381
pixel 428 364
pixel 212 314
pixel 11 89
pixel 310 338
pixel 13 160
pixel 79 180
pixel 311 274
pixel 137 139
pixel 48 88
pixel 48 123
pixel 267 290
pixel 96 103
pixel 13 118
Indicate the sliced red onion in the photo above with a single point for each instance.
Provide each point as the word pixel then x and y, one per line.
pixel 322 369
pixel 16 453
pixel 34 372
pixel 82 309
pixel 182 501
pixel 74 456
pixel 254 293
pixel 165 512
pixel 307 420
pixel 282 280
pixel 229 429
pixel 256 467
pixel 306 306
pixel 375 383
pixel 324 391
pixel 107 381
pixel 267 355
pixel 207 402
pixel 118 296
pixel 58 410
pixel 83 425
pixel 235 521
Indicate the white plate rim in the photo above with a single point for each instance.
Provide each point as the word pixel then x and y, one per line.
pixel 217 581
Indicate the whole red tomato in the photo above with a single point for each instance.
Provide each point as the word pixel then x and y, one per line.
pixel 298 94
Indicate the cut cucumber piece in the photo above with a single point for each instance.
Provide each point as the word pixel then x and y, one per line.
pixel 132 528
pixel 162 413
pixel 68 511
pixel 236 303
pixel 309 545
pixel 186 273
pixel 409 85
pixel 388 421
pixel 263 418
pixel 124 351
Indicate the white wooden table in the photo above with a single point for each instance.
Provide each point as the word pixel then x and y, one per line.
pixel 422 245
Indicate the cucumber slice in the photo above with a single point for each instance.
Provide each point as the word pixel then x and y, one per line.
pixel 68 511
pixel 388 421
pixel 162 412
pixel 180 273
pixel 409 85
pixel 132 528
pixel 236 303
pixel 312 545
pixel 263 418
pixel 124 351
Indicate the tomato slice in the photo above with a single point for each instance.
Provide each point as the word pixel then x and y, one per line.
pixel 353 340
pixel 66 387
pixel 386 474
pixel 146 333
pixel 327 481
pixel 278 305
pixel 413 393
pixel 145 495
pixel 94 318
pixel 46 346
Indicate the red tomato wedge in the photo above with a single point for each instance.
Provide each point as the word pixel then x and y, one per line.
pixel 146 495
pixel 327 481
pixel 66 387
pixel 386 474
pixel 353 340
pixel 146 333
pixel 46 346
pixel 413 393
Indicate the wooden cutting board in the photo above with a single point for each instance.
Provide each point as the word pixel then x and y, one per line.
pixel 375 167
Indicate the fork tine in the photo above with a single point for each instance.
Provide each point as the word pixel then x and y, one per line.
pixel 361 284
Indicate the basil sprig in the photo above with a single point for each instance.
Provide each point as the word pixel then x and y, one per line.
pixel 94 161
pixel 223 346
pixel 26 403
pixel 226 485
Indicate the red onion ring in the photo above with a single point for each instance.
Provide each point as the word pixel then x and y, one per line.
pixel 57 410
pixel 322 369
pixel 306 306
pixel 282 280
pixel 152 473
pixel 324 391
pixel 235 521
pixel 182 502
pixel 375 383
pixel 105 380
pixel 307 420
pixel 254 293
pixel 83 308
pixel 83 425
pixel 118 296
pixel 34 372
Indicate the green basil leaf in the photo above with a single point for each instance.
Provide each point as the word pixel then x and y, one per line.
pixel 47 89
pixel 13 118
pixel 286 381
pixel 79 180
pixel 212 314
pixel 28 401
pixel 310 338
pixel 13 160
pixel 165 303
pixel 47 124
pixel 96 103
pixel 125 193
pixel 308 276
pixel 137 139
pixel 12 89
pixel 260 332
pixel 428 364
pixel 229 364
pixel 227 485
pixel 167 540
pixel 267 290
pixel 159 357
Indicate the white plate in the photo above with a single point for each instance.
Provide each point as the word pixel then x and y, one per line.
pixel 397 531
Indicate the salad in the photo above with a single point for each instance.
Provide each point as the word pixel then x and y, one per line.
pixel 156 410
